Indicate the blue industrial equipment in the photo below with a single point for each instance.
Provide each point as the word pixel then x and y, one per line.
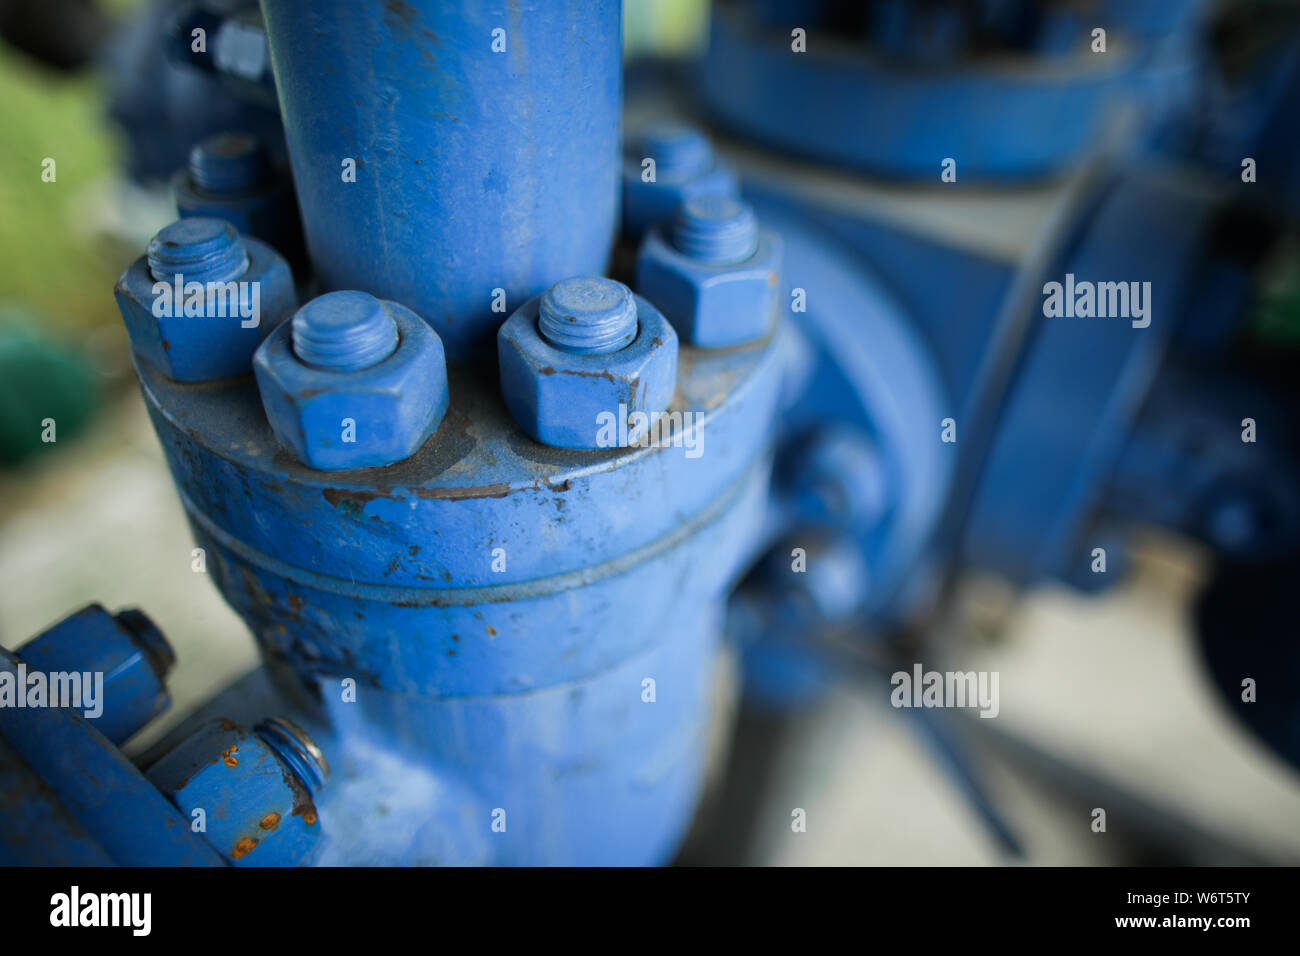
pixel 170 88
pixel 664 165
pixel 71 797
pixel 203 299
pixel 493 589
pixel 1123 442
pixel 716 277
pixel 254 790
pixel 126 648
pixel 231 176
pixel 467 106
pixel 1006 98
pixel 352 382
pixel 517 638
pixel 584 356
pixel 507 669
pixel 1068 431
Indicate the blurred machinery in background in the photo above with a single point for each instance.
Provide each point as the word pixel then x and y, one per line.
pixel 493 500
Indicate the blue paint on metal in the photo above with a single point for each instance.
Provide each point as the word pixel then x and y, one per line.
pixel 125 648
pixel 198 250
pixel 716 277
pixel 344 332
pixel 837 479
pixel 873 114
pixel 588 315
pixel 1083 384
pixel 873 370
pixel 231 176
pixel 719 230
pixel 438 123
pixel 39 830
pixel 865 371
pixel 331 398
pixel 165 102
pixel 568 399
pixel 497 607
pixel 255 809
pixel 70 797
pixel 102 790
pixel 199 304
pixel 234 51
pixel 665 164
pixel 506 632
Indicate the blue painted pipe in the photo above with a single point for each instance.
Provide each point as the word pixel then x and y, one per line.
pixel 105 793
pixel 480 621
pixel 484 142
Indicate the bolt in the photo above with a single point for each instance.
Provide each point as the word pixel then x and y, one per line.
pixel 146 636
pixel 679 152
pixel 229 163
pixel 344 332
pixel 197 250
pixel 718 230
pixel 840 480
pixel 296 750
pixel 588 315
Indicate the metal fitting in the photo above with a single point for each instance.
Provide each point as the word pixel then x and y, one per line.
pixel 202 299
pixel 230 176
pixel 126 648
pixel 833 589
pixel 714 274
pixel 251 792
pixel 836 479
pixel 353 382
pixel 585 355
pixel 228 163
pixel 588 316
pixel 683 167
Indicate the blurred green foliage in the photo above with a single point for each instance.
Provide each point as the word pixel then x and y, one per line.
pixel 52 261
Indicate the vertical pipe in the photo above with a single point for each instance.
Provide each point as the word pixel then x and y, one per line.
pixel 484 136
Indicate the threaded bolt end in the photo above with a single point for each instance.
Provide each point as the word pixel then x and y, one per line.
pixel 679 151
pixel 146 636
pixel 296 750
pixel 229 163
pixel 344 332
pixel 197 250
pixel 718 230
pixel 588 315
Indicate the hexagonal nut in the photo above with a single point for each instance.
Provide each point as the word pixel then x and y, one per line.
pixel 215 344
pixel 648 203
pixel 566 400
pixel 712 306
pixel 335 421
pixel 253 808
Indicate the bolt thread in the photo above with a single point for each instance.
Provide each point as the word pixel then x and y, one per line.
pixel 146 636
pixel 344 332
pixel 678 151
pixel 718 230
pixel 296 750
pixel 197 250
pixel 588 315
pixel 229 163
